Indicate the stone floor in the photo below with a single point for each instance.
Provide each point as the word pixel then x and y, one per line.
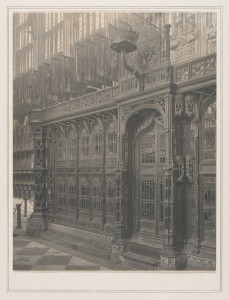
pixel 32 255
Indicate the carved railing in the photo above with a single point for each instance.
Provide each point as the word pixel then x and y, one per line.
pixel 129 86
pixel 96 99
pixel 101 98
pixel 198 68
pixel 156 77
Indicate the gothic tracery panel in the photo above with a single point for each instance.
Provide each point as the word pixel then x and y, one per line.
pixel 84 197
pixel 97 198
pixel 110 199
pixel 209 132
pixel 71 146
pixel 209 207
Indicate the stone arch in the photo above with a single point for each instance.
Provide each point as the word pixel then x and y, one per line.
pixel 154 107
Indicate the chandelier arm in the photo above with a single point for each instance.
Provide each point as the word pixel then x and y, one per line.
pixel 129 68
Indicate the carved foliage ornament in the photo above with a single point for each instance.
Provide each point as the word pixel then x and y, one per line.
pixel 185 105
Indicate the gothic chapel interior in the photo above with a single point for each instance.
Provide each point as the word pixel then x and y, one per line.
pixel 114 133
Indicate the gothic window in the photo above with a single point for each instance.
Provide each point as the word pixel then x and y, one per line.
pixel 97 194
pixel 111 195
pixel 61 190
pixel 112 139
pixel 72 191
pixel 97 135
pixel 59 17
pixel 148 199
pixel 61 39
pixel 102 20
pixel 46 22
pixel 49 48
pixel 84 143
pixel 54 43
pixel 90 22
pixel 46 48
pixel 178 23
pixel 81 26
pixel 61 148
pixel 209 132
pixel 148 149
pixel 72 186
pixel 84 193
pixel 210 206
pixel 71 146
pixel 97 21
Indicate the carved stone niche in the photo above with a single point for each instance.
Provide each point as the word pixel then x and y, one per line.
pixel 180 164
pixel 185 106
pixel 179 105
pixel 189 101
pixel 189 166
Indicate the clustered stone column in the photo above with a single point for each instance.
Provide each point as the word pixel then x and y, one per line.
pixel 36 223
pixel 172 256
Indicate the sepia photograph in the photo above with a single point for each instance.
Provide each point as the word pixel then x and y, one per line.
pixel 114 140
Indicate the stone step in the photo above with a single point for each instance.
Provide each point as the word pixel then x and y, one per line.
pixel 94 248
pixel 96 253
pixel 141 262
pixel 145 249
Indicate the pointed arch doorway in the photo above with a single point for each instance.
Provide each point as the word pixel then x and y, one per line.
pixel 145 154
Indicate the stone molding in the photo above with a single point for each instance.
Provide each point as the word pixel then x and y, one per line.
pixel 85 234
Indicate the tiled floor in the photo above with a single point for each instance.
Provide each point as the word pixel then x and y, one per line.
pixel 31 255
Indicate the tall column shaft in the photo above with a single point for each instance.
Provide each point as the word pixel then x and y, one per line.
pixel 36 222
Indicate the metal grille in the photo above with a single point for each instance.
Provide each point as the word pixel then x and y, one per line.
pixel 148 199
pixel 148 150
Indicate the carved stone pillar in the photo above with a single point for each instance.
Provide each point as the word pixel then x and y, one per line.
pixel 172 256
pixel 194 242
pixel 119 245
pixel 51 154
pixel 36 223
pixel 167 41
pixel 189 116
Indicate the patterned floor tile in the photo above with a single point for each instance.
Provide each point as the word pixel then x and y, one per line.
pixel 16 249
pixel 78 261
pixel 17 243
pixel 33 251
pixel 56 252
pixel 54 260
pixel 26 259
pixel 35 245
